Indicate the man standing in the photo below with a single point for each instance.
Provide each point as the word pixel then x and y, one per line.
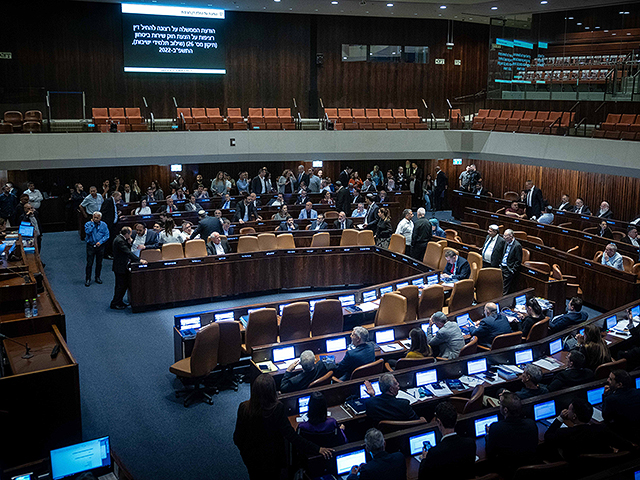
pixel 8 203
pixel 372 210
pixel 440 184
pixel 206 226
pixel 511 260
pixel 259 184
pixel 493 247
pixel 97 235
pixel 91 203
pixel 35 197
pixel 31 216
pixel 314 182
pixel 621 405
pixel 109 211
pixel 122 255
pixel 301 178
pixel 217 245
pixel 421 236
pixel 342 222
pixel 345 175
pixel 405 228
pixel 533 199
pixel 343 198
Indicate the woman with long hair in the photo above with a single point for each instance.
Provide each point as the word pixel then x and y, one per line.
pixel 282 214
pixel 419 346
pixel 143 209
pixel 135 187
pixel 534 315
pixel 382 228
pixel 327 200
pixel 169 233
pixel 158 194
pixel 320 423
pixel 593 347
pixel 219 184
pixel 261 429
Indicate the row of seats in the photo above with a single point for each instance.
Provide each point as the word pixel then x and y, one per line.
pixel 374 118
pixel 617 126
pixel 126 119
pixel 14 121
pixel 529 121
pixel 615 135
pixel 212 119
pixel 174 251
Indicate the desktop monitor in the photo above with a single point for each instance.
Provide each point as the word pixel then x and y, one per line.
pixel 223 316
pixel 387 289
pixel 81 457
pixel 524 356
pixel 544 410
pixel 345 461
pixel 416 442
pixel 312 304
pixel 521 300
pixel 401 284
pixel 24 476
pixel 425 328
pixel 376 389
pixel 555 346
pixel 283 354
pixel 638 383
pixel 594 397
pixel 611 322
pixel 190 323
pixel 635 311
pixel 432 279
pixel 369 296
pixel 477 366
pixel 336 344
pixel 385 336
pixel 347 300
pixel 303 405
pixel 481 424
pixel 463 320
pixel 26 230
pixel 426 377
pixel 418 281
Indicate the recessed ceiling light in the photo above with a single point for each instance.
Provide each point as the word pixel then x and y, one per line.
pixel 443 7
pixel 334 2
pixel 389 4
pixel 494 8
pixel 628 33
pixel 570 18
pixel 543 2
pixel 579 23
pixel 606 31
pixel 277 1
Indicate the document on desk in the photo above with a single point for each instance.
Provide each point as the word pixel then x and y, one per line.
pixel 511 368
pixel 548 363
pixel 471 381
pixel 390 347
pixel 406 343
pixel 407 396
pixel 267 366
pixel 368 306
pixel 447 284
pixel 443 391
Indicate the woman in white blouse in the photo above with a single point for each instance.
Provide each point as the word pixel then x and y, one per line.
pixel 170 234
pixel 143 209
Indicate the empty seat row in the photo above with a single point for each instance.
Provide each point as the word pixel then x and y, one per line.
pixel 372 115
pixel 212 119
pixel 627 122
pixel 126 119
pixel 615 134
pixel 529 121
pixel 14 121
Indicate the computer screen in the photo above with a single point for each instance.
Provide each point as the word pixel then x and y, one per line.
pixel 594 397
pixel 544 410
pixel 26 230
pixel 223 316
pixel 387 289
pixel 336 344
pixel 369 296
pixel 635 311
pixel 497 308
pixel 190 323
pixel 347 300
pixel 555 346
pixel 638 383
pixel 24 476
pixel 376 389
pixel 346 461
pixel 477 366
pixel 521 300
pixel 432 280
pixel 282 354
pixel 401 284
pixel 482 423
pixel 385 336
pixel 418 281
pixel 425 377
pixel 303 405
pixel 425 328
pixel 524 356
pixel 463 320
pixel 416 443
pixel 81 457
pixel 611 322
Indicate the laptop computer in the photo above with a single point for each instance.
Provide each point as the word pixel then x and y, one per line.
pixel 464 322
pixel 418 442
pixel 611 322
pixel 524 356
pixel 555 346
pixel 336 344
pixel 594 397
pixel 426 377
pixel 376 389
pixel 543 411
pixel 480 425
pixel 385 336
pixel 346 461
pixel 93 455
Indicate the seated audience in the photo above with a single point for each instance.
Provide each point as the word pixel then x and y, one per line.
pixel 143 238
pixel 621 405
pixel 547 217
pixel 187 230
pixel 359 211
pixel 632 236
pixel 593 347
pixel 282 214
pixel 515 211
pixel 342 222
pixel 216 245
pixel 419 345
pixel 326 199
pixel 512 441
pixel 386 406
pixel 612 258
pixel 575 373
pixel 492 325
pixel 143 209
pixel 170 234
pixel 436 231
pixel 533 316
pixel 201 193
pixel 454 456
pixel 581 208
pixel 565 204
pixel 227 229
pixel 457 268
pixel 277 201
pixel 448 340
pixel 308 212
pixel 380 464
pixel 604 230
pixel 320 423
pixel 319 223
pixel 531 378
pixel 605 211
pixel 226 202
pixel 302 198
pixel 191 205
pixel 294 380
pixel 574 316
pixel 288 225
pixel 359 353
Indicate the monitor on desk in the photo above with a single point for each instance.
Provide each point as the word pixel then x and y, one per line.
pixel 638 383
pixel 401 284
pixel 312 303
pixel 283 354
pixel 555 346
pixel 477 366
pixel 418 281
pixel 376 389
pixel 635 311
pixel 481 425
pixel 385 336
pixel 544 410
pixel 611 322
pixel 303 405
pixel 594 397
pixel 26 230
pixel 345 461
pixel 336 344
pixel 347 300
pixel 416 442
pixel 190 323
pixel 524 356
pixel 463 320
pixel 521 300
pixel 369 296
pixel 432 279
pixel 223 316
pixel 81 457
pixel 387 289
pixel 425 328
pixel 426 377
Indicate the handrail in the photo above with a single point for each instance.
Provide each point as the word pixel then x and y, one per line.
pixel 183 121
pixel 153 121
pixel 175 103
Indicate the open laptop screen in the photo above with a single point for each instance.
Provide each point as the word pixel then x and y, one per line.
pixel 426 377
pixel 521 300
pixel 369 296
pixel 477 366
pixel 385 336
pixel 482 423
pixel 418 281
pixel 555 346
pixel 345 461
pixel 190 323
pixel 80 457
pixel 544 410
pixel 283 354
pixel 524 356
pixel 336 344
pixel 416 443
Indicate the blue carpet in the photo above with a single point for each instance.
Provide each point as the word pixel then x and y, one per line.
pixel 126 388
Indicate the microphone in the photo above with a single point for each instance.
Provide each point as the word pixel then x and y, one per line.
pixel 27 352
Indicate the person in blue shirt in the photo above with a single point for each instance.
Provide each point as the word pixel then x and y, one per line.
pixel 435 228
pixel 97 234
pixel 574 316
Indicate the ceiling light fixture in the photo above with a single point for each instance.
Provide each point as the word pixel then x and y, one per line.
pixel 334 2
pixel 543 2
pixel 494 8
pixel 389 4
pixel 442 7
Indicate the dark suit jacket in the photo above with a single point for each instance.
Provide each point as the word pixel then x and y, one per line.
pixel 211 250
pixel 122 254
pixel 348 224
pixel 570 377
pixel 388 407
pixel 606 234
pixel 511 443
pixel 343 200
pixel 515 256
pixel 285 228
pixel 463 269
pixel 607 214
pixel 163 209
pixel 344 178
pixel 299 180
pixel 621 411
pixel 490 328
pixel 565 321
pixel 134 197
pixel 383 465
pixel 422 232
pixel 299 380
pixel 354 358
pixel 453 458
pixel 585 210
pixel 150 239
pixel 206 227
pixel 441 180
pixel 256 185
pixel 323 225
pixel 108 212
pixel 372 216
pixel 537 203
pixel 498 251
pixel 567 208
pixel 240 209
pixel 626 239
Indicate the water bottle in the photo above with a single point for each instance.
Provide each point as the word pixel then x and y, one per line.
pixel 27 309
pixel 34 308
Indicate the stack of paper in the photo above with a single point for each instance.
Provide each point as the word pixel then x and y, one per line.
pixel 407 396
pixel 548 363
pixel 439 392
pixel 390 347
pixel 470 381
pixel 368 306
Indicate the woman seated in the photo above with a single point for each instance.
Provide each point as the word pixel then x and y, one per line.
pixel 534 315
pixel 593 347
pixel 319 427
pixel 170 234
pixel 143 209
pixel 419 346
pixel 327 200
pixel 604 230
pixel 282 215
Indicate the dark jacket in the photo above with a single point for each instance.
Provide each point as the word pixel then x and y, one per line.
pixel 372 214
pixel 150 240
pixel 585 210
pixel 528 322
pixel 323 225
pixel 300 380
pixel 348 224
pixel 490 328
pixel 25 218
pixel 498 251
pixel 511 443
pixel 122 255
pixel 354 358
pixel 381 228
pixel 570 377
pixel 453 458
pixel 621 411
pixel 388 407
pixel 422 234
pixel 240 209
pixel 302 178
pixel 285 228
pixel 537 203
pixel 606 233
pixel 343 199
pixel 526 392
pixel 8 205
pixel 108 211
pixel 211 250
pixel 206 227
pixel 256 185
pixel 607 214
pixel 383 465
pixel 567 320
pixel 463 270
pixel 514 260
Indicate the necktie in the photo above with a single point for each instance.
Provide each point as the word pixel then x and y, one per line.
pixel 486 245
pixel 506 254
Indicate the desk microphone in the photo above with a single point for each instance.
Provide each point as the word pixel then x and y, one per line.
pixel 27 352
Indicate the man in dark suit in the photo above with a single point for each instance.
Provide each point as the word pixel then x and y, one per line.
pixel 457 268
pixel 421 235
pixel 512 442
pixel 129 196
pixel 226 202
pixel 632 237
pixel 110 214
pixel 493 247
pixel 343 198
pixel 301 178
pixel 380 464
pixel 574 316
pixel 143 238
pixel 575 373
pixel 581 208
pixel 169 207
pixel 441 183
pixel 342 222
pixel 492 325
pixel 259 183
pixel 511 259
pixel 345 175
pixel 533 199
pixel 565 204
pixel 293 380
pixel 605 210
pixel 454 456
pixel 206 226
pixel 288 225
pixel 372 209
pixel 319 223
pixel 122 255
pixel 217 245
pixel 245 211
pixel 359 353
pixel 386 406
pixel 621 405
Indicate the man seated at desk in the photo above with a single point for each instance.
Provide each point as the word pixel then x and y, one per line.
pixel 217 245
pixel 288 226
pixel 457 268
pixel 359 353
pixel 342 222
pixel 492 325
pixel 380 464
pixel 386 406
pixel 448 339
pixel 319 223
pixel 294 381
pixel 574 316
pixel 575 373
pixel 612 258
pixel 143 238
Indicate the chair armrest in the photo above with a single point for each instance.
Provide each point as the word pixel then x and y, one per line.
pixel 569 277
pixel 441 359
pixel 388 367
pixel 336 380
pixel 483 348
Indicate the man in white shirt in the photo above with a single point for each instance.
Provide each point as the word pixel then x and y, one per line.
pixel 217 245
pixel 405 226
pixel 277 202
pixel 565 204
pixel 360 211
pixel 611 257
pixel 35 197
pixel 492 248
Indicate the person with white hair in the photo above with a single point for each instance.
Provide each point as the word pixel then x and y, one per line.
pixel 380 464
pixel 448 337
pixel 359 353
pixel 493 246
pixel 386 406
pixel 97 235
pixel 611 257
pixel 605 210
pixel 421 235
pixel 295 379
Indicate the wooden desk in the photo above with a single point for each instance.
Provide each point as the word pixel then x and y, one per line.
pixel 40 345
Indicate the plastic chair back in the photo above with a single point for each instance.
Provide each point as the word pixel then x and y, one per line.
pixel 461 296
pixel 204 357
pixel 489 284
pixel 365 238
pixel 431 301
pixel 248 244
pixel 195 248
pixel 368 370
pixel 151 255
pixel 267 241
pixel 321 239
pixel 230 349
pixel 392 310
pixel 285 241
pixel 262 328
pixel 172 251
pixel 327 318
pixel 432 255
pixel 349 238
pixel 411 293
pixel 295 322
pixel 398 243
